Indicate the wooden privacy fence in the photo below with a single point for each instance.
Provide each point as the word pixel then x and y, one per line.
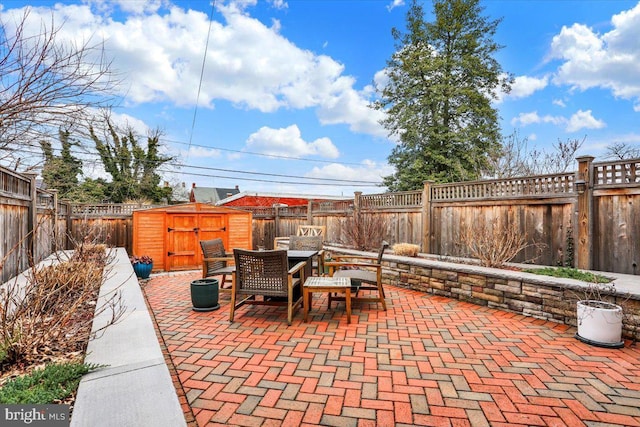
pixel 29 221
pixel 35 223
pixel 591 216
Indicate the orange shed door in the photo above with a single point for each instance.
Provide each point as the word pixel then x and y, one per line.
pixel 182 244
pixel 213 226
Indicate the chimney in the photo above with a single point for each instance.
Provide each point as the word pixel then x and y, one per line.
pixel 193 185
pixel 237 188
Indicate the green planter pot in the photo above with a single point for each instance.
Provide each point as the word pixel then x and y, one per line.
pixel 204 294
pixel 142 270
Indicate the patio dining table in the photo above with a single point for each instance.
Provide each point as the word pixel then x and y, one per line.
pixel 298 256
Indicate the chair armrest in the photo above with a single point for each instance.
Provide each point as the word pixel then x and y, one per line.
pixel 227 259
pixel 352 264
pixel 296 268
pixel 358 257
pixel 333 266
pixel 278 239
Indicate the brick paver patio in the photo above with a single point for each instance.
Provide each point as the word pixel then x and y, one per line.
pixel 427 361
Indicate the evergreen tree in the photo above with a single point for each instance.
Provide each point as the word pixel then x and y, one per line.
pixel 61 172
pixel 441 81
pixel 132 168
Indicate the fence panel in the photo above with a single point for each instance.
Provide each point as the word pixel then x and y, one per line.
pixel 616 242
pixel 544 226
pixel 15 203
pixel 111 231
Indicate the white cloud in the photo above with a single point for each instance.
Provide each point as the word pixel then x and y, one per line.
pixel 533 117
pixel 610 60
pixel 524 86
pixel 532 137
pixel 394 4
pixel 579 120
pixel 559 103
pixel 368 171
pixel 279 4
pixel 288 142
pixel 159 54
pixel 584 120
pixel 201 153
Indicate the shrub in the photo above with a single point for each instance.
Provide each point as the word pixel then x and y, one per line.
pixel 569 273
pixel 42 386
pixel 53 311
pixel 364 231
pixel 493 245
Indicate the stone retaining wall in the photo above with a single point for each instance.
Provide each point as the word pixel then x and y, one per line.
pixel 543 297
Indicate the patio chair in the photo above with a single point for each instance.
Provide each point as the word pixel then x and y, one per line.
pixel 365 273
pixel 266 274
pixel 216 262
pixel 309 243
pixel 304 230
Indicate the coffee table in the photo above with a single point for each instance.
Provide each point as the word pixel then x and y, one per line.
pixel 326 284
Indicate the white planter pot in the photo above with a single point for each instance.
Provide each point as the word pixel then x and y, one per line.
pixel 600 323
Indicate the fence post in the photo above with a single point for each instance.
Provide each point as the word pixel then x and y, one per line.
pixel 276 220
pixel 32 219
pixel 309 213
pixel 584 212
pixel 426 217
pixel 68 243
pixel 356 202
pixel 54 246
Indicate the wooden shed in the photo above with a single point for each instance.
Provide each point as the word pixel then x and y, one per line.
pixel 171 234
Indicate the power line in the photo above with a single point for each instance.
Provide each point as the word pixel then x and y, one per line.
pixel 276 182
pixel 204 61
pixel 275 156
pixel 323 181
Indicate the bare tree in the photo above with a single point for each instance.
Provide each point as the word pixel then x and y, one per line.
pixel 512 160
pixel 46 84
pixel 516 160
pixel 622 151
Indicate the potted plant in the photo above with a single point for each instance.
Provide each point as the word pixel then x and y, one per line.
pixel 142 265
pixel 204 294
pixel 599 318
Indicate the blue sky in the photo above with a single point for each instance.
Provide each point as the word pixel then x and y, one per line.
pixel 286 84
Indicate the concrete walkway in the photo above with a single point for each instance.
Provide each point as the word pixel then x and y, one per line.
pixel 134 388
pixel 427 361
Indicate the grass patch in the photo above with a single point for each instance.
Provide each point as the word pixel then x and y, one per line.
pixel 55 382
pixel 569 273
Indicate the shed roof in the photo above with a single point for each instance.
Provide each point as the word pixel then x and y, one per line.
pixel 193 207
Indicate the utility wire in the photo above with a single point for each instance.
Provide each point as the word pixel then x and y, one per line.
pixel 204 61
pixel 334 181
pixel 276 182
pixel 275 156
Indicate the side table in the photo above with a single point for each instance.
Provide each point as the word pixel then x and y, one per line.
pixel 326 284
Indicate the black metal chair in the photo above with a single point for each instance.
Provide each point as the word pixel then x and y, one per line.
pixel 365 273
pixel 266 274
pixel 216 262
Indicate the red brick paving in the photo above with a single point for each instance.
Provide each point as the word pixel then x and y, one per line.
pixel 428 361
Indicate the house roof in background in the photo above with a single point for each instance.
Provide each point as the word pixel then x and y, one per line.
pixel 279 196
pixel 211 194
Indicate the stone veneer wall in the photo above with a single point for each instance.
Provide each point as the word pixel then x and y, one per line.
pixel 543 297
